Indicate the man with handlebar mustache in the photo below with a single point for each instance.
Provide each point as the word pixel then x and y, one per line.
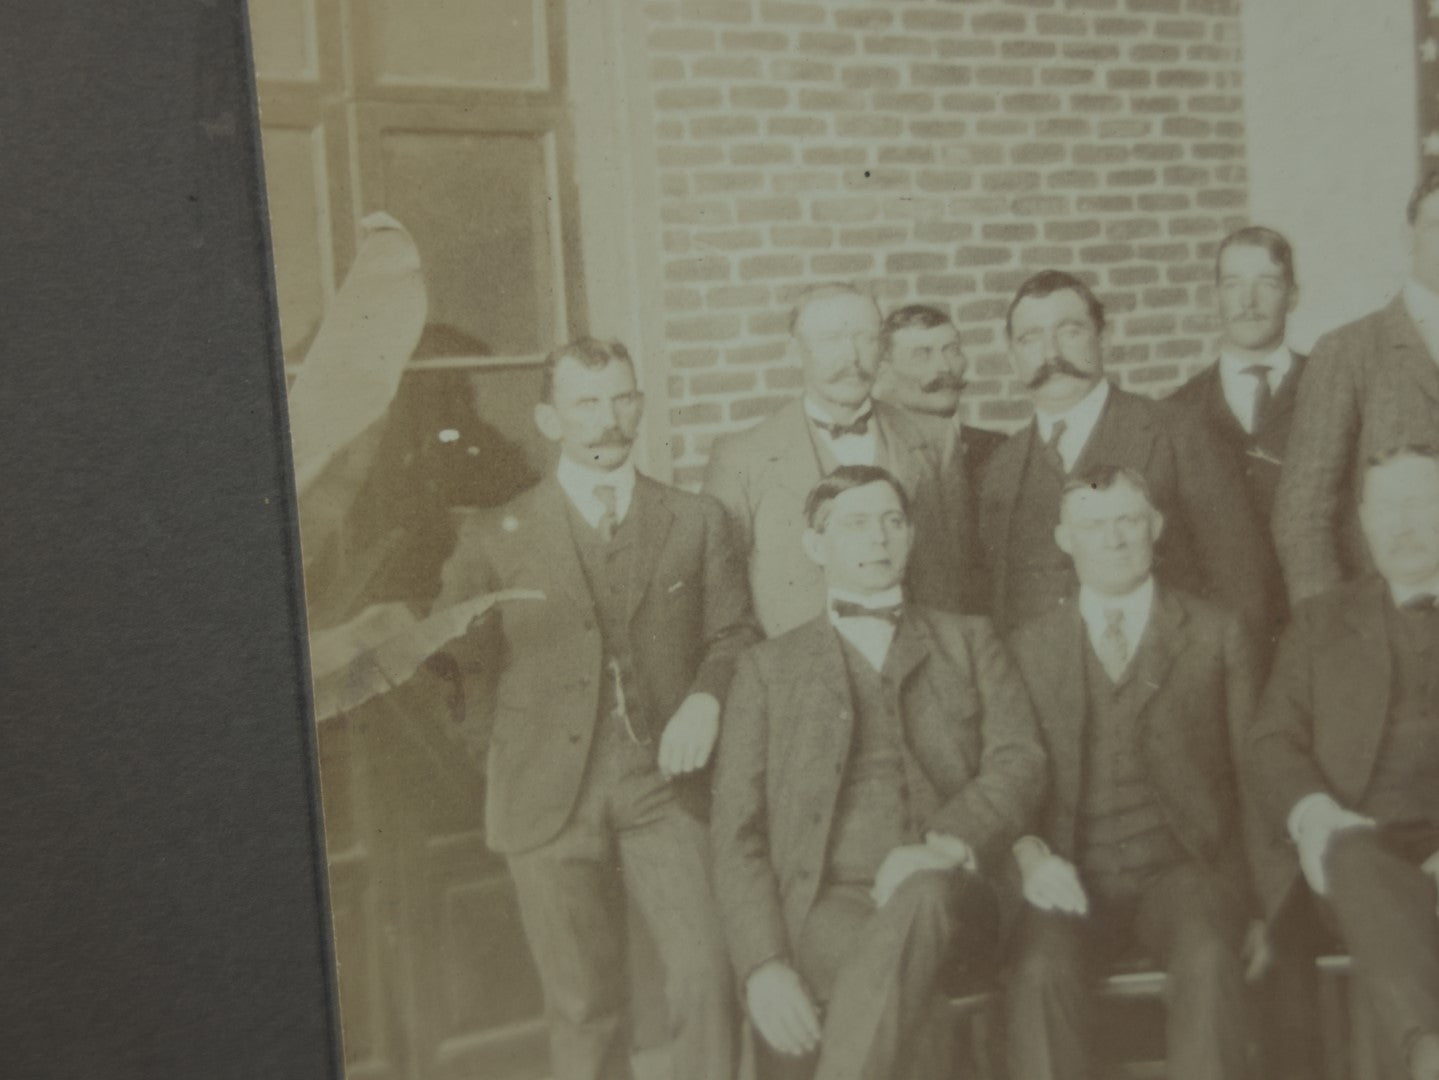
pixel 1212 545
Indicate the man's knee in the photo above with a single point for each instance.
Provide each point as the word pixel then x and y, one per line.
pixel 1204 959
pixel 1042 970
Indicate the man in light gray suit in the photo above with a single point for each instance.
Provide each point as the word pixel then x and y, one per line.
pixel 1369 385
pixel 762 475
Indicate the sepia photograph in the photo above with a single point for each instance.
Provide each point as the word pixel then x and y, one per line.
pixel 876 539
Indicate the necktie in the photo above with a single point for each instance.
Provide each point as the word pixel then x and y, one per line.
pixel 1051 446
pixel 1262 394
pixel 609 520
pixel 858 426
pixel 847 609
pixel 1113 650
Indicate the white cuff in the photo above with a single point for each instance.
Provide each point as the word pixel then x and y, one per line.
pixel 1314 807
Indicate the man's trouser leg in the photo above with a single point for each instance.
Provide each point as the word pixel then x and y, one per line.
pixel 1192 922
pixel 1384 906
pixel 1047 998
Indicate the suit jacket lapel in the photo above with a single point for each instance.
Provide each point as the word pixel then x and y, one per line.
pixel 553 553
pixel 792 462
pixel 652 526
pixel 1121 436
pixel 1062 704
pixel 1360 672
pixel 1408 347
pixel 1164 639
pixel 904 445
pixel 1217 406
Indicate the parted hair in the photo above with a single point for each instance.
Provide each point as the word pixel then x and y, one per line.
pixel 910 317
pixel 1259 236
pixel 1104 477
pixel 588 351
pixel 1047 282
pixel 847 478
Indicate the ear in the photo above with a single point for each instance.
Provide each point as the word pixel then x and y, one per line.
pixel 1293 298
pixel 1156 526
pixel 548 421
pixel 813 544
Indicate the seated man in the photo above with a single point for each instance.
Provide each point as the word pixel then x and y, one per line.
pixel 875 762
pixel 1140 691
pixel 1344 755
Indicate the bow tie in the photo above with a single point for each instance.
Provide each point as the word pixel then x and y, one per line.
pixel 848 609
pixel 858 426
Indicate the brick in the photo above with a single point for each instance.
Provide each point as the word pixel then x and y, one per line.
pixel 695 413
pixel 1182 29
pixel 723 127
pixel 1127 128
pixel 803 236
pixel 914 262
pixel 1100 154
pixel 756 41
pixel 826 44
pixel 1066 76
pixel 945 284
pixel 1165 298
pixel 1037 153
pixel 789 181
pixel 750 211
pixel 999 22
pixel 723 382
pixel 908 207
pixel 730 239
pixel 1040 205
pixel 1072 178
pixel 1005 75
pixel 1061 127
pixel 1096 103
pixel 876 179
pixel 906 155
pixel 1005 282
pixel 979 255
pixel 729 11
pixel 1224 199
pixel 1158 104
pixel 1093 51
pixel 777 12
pixel 761 154
pixel 790 70
pixel 776 322
pixel 845 210
pixel 1163 252
pixel 1104 204
pixel 1061 25
pixel 723 296
pixel 897 45
pixel 1186 127
pixel 1128 78
pixel 693 358
pixel 784 378
pixel 872 236
pixel 1148 52
pixel 831 101
pixel 1028 49
pixel 1150 325
pixel 1030 103
pixel 1068 231
pixel 666 69
pixel 970 102
pixel 863 19
pixel 938 130
pixel 1154 7
pixel 769 353
pixel 728 181
pixel 1046 255
pixel 759 97
pixel 841 265
pixel 1159 152
pixel 752 408
pixel 835 155
pixel 1210 151
pixel 1163 202
pixel 1185 176
pixel 688 157
pixel 869 77
pixel 931 20
pixel 1110 26
pixel 1010 180
pixel 681 39
pixel 679 300
pixel 1004 127
pixel 934 75
pixel 942 232
pixel 1141 228
pixel 1193 226
pixel 708 212
pixel 801 127
pixel 1131 177
pixel 944 180
pixel 703 328
pixel 1128 276
pixel 1185 78
pixel 966 48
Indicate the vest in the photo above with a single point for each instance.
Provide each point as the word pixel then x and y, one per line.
pixel 1038 574
pixel 884 795
pixel 614 577
pixel 1405 783
pixel 1123 835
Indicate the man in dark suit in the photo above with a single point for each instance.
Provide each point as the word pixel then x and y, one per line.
pixel 876 763
pixel 610 682
pixel 1246 398
pixel 1211 545
pixel 762 475
pixel 1369 385
pixel 922 369
pixel 1344 758
pixel 1142 693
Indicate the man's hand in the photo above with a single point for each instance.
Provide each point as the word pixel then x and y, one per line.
pixel 903 861
pixel 1431 867
pixel 1258 951
pixel 1050 883
pixel 1313 822
pixel 689 736
pixel 780 1007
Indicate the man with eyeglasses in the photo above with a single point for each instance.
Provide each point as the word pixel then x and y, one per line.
pixel 1211 545
pixel 763 474
pixel 612 660
pixel 1343 758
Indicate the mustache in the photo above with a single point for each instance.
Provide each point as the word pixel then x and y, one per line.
pixel 1050 368
pixel 945 381
pixel 611 437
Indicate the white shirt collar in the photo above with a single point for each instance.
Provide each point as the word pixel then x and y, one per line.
pixel 847 449
pixel 579 483
pixel 872 637
pixel 1079 421
pixel 1137 605
pixel 1403 593
pixel 1423 307
pixel 1239 388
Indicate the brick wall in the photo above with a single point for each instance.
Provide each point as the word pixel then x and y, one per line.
pixel 937 151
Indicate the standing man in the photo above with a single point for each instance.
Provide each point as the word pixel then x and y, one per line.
pixel 1142 694
pixel 763 475
pixel 1246 399
pixel 1211 545
pixel 610 683
pixel 1369 385
pixel 876 764
pixel 923 370
pixel 1344 757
